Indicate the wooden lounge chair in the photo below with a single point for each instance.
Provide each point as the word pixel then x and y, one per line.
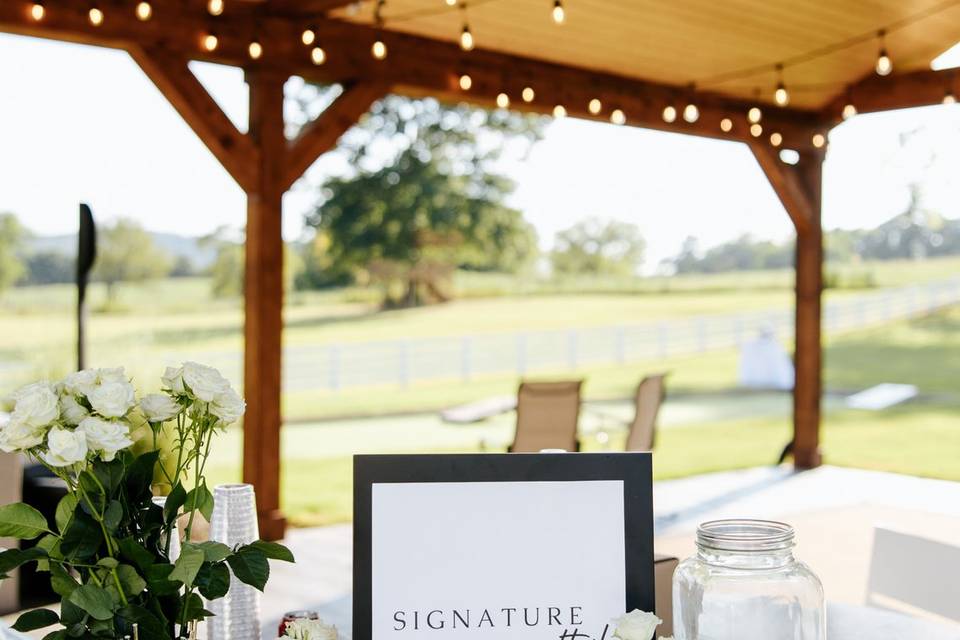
pixel 650 394
pixel 547 415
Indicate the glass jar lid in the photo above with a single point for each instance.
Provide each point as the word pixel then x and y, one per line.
pixel 744 535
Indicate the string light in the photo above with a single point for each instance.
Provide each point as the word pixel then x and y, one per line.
pixel 527 94
pixel 726 125
pixel 559 15
pixel 466 38
pixel 781 96
pixel 849 111
pixel 95 15
pixel 884 64
pixel 318 56
pixel 669 113
pixel 559 111
pixel 466 82
pixel 754 115
pixel 949 98
pixel 144 11
pixel 451 3
pixel 756 130
pixel 37 11
pixel 379 49
pixel 819 140
pixel 595 106
pixel 210 41
pixel 618 117
pixel 776 139
pixel 309 36
pixel 255 49
pixel 691 113
pixel 215 7
pixel 503 100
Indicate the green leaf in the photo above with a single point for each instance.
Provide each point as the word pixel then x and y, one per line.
pixel 273 550
pixel 149 626
pixel 83 538
pixel 65 509
pixel 158 579
pixel 51 545
pixel 110 474
pixel 13 558
pixel 212 551
pixel 71 614
pixel 60 634
pixel 134 552
pixel 187 565
pixel 62 582
pixel 213 580
pixel 113 515
pixel 192 609
pixel 250 566
pixel 130 580
pixel 93 600
pixel 21 521
pixel 200 499
pixel 109 563
pixel 140 474
pixel 36 619
pixel 175 500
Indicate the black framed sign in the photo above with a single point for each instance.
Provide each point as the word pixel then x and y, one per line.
pixel 512 546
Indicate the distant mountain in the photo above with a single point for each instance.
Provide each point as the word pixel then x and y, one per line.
pixel 176 245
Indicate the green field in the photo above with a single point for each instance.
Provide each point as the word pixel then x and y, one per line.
pixel 707 424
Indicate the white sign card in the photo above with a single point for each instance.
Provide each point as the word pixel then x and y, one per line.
pixel 516 546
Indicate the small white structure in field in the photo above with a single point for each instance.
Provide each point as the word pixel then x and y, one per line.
pixel 764 364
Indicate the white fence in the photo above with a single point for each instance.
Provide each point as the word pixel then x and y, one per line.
pixel 405 362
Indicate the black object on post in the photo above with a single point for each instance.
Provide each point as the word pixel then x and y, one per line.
pixel 86 255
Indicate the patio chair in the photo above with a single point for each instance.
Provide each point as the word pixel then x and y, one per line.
pixel 547 415
pixel 643 430
pixel 910 573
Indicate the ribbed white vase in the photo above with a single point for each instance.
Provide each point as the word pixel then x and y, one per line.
pixel 234 521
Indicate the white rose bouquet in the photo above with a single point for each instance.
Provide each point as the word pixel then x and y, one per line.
pixel 108 551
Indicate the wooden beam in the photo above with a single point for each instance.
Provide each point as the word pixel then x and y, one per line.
pixel 263 304
pixel 306 8
pixel 899 91
pixel 169 72
pixel 787 184
pixel 322 134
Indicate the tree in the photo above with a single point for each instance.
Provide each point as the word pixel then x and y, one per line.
pixel 50 267
pixel 227 270
pixel 425 198
pixel 598 247
pixel 127 253
pixel 12 235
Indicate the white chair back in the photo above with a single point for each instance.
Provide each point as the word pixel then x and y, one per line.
pixel 914 574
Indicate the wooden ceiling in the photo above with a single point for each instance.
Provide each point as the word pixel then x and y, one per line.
pixel 677 42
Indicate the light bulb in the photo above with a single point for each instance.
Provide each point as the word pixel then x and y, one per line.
pixel 754 115
pixel 669 113
pixel 95 16
pixel 527 94
pixel 466 39
pixel 379 50
pixel 215 7
pixel 308 36
pixel 37 11
pixel 210 42
pixel 255 49
pixel 466 82
pixel 819 140
pixel 503 100
pixel 451 3
pixel 849 111
pixel 618 117
pixel 781 96
pixel 318 56
pixel 756 130
pixel 559 15
pixel 691 113
pixel 726 125
pixel 776 139
pixel 144 11
pixel 884 64
pixel 559 111
pixel 595 106
pixel 949 98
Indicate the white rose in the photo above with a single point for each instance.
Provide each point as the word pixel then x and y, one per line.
pixel 205 382
pixel 80 382
pixel 228 406
pixel 111 374
pixel 72 411
pixel 636 625
pixel 112 399
pixel 36 405
pixel 105 437
pixel 159 407
pixel 65 447
pixel 310 630
pixel 172 379
pixel 19 436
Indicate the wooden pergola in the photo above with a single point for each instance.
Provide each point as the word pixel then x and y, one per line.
pixel 625 61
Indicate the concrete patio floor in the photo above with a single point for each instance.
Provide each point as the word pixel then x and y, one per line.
pixel 833 510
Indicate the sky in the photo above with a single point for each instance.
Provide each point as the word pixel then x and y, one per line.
pixel 84 124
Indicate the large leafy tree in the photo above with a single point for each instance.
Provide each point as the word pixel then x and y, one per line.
pixel 424 197
pixel 599 247
pixel 12 235
pixel 127 253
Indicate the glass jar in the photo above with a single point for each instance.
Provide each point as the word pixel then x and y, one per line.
pixel 745 584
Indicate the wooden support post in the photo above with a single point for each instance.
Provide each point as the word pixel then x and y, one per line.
pixel 263 295
pixel 799 189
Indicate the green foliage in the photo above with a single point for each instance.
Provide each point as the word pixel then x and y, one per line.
pixel 127 253
pixel 21 521
pixel 36 619
pixel 49 267
pixel 12 235
pixel 742 254
pixel 228 267
pixel 598 247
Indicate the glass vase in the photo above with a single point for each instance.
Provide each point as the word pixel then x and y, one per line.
pixel 234 521
pixel 744 584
